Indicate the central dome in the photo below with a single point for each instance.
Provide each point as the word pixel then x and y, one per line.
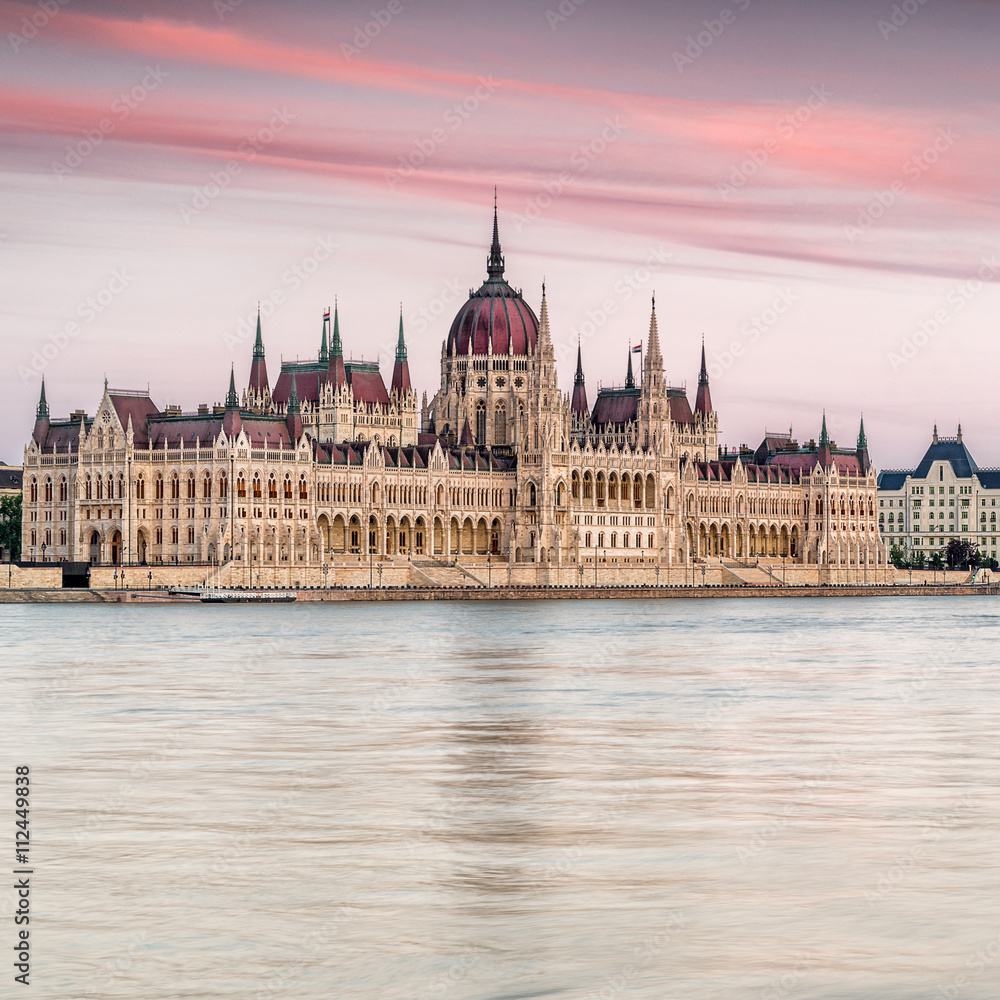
pixel 495 315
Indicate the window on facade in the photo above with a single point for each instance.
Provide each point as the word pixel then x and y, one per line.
pixel 272 489
pixel 500 424
pixel 190 487
pixel 175 488
pixel 223 487
pixel 288 488
pixel 480 422
pixel 303 490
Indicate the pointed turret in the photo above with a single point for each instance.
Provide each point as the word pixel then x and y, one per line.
pixel 579 404
pixel 231 422
pixel 401 370
pixel 653 366
pixel 544 347
pixel 959 437
pixel 703 401
pixel 324 351
pixel 863 461
pixel 629 377
pixel 825 454
pixel 934 439
pixel 293 412
pixel 335 369
pixel 466 440
pixel 495 262
pixel 41 429
pixel 258 367
pixel 232 400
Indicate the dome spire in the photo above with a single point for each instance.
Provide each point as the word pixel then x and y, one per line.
pixel 232 400
pixel 629 377
pixel 494 265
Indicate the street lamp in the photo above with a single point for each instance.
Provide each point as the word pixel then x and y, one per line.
pixel 656 569
pixel 43 551
pixel 150 577
pixel 489 570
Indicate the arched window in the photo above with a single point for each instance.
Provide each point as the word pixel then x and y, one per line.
pixel 287 491
pixel 575 486
pixel 121 487
pixel 500 423
pixel 33 491
pixel 175 487
pixel 140 488
pixel 532 496
pixel 588 487
pixel 481 422
pixel 272 487
pixel 190 486
pixel 157 489
pixel 256 487
pixel 303 489
pixel 224 487
pixel 100 488
pixel 48 488
pixel 206 487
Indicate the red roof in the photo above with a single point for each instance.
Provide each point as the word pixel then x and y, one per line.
pixel 366 385
pixel 616 406
pixel 140 409
pixel 495 314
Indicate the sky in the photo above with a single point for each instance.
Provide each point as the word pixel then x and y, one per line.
pixel 811 187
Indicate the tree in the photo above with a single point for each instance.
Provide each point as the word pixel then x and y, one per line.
pixel 918 560
pixel 961 553
pixel 897 556
pixel 10 525
pixel 936 560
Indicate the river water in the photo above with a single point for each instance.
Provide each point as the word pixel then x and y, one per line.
pixel 481 801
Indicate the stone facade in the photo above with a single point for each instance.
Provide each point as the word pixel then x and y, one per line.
pixel 328 474
pixel 946 496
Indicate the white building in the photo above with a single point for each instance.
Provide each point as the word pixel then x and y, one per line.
pixel 946 496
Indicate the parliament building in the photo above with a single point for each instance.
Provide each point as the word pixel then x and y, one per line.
pixel 326 475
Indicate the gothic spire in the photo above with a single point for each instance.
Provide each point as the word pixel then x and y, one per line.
pixel 258 366
pixel 293 398
pixel 654 360
pixel 825 455
pixel 401 369
pixel 324 352
pixel 232 400
pixel 863 461
pixel 544 345
pixel 629 377
pixel 824 438
pixel 258 345
pixel 336 373
pixel 43 407
pixel 495 263
pixel 703 401
pixel 579 404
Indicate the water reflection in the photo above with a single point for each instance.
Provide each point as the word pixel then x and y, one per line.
pixel 590 799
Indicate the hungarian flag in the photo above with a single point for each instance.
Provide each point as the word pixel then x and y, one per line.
pixel 638 348
pixel 326 315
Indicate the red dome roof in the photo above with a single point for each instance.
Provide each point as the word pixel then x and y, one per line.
pixel 496 314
